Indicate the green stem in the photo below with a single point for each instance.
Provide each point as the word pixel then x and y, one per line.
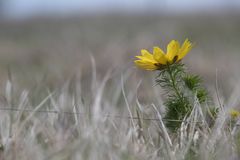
pixel 173 81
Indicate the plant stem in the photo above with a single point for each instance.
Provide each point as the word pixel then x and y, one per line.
pixel 173 81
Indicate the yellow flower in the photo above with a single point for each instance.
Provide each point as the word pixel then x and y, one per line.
pixel 159 59
pixel 234 113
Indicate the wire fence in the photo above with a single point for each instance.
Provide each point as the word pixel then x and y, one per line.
pixel 84 114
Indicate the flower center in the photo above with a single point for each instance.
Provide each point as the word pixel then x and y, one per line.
pixel 159 65
pixel 175 59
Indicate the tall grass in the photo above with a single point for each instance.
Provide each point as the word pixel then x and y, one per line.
pixel 106 119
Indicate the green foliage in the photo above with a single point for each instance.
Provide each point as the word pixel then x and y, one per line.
pixel 193 83
pixel 181 90
pixel 211 115
pixel 237 142
pixel 176 111
pixel 191 155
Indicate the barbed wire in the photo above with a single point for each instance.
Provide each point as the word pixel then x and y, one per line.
pixel 84 114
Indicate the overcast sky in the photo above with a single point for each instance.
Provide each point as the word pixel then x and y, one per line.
pixel 33 7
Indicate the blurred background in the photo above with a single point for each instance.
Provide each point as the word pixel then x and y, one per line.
pixel 49 42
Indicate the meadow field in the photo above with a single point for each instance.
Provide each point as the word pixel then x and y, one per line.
pixel 69 89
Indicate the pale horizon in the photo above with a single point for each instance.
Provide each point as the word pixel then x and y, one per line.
pixel 29 8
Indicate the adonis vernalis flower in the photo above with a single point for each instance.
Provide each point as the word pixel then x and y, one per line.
pixel 234 113
pixel 158 60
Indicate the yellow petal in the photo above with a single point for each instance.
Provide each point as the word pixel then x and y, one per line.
pixel 146 59
pixel 172 50
pixel 185 48
pixel 145 65
pixel 146 54
pixel 234 113
pixel 159 56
